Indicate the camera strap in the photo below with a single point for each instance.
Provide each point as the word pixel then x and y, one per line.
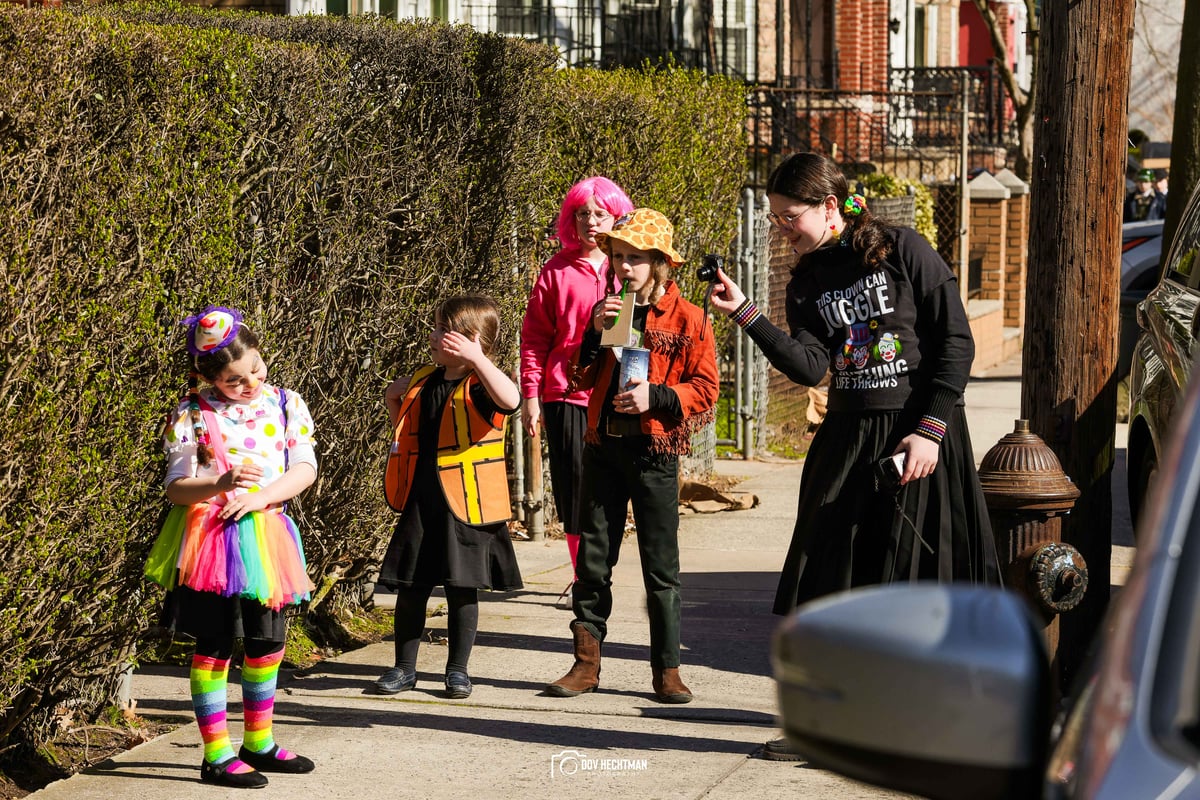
pixel 911 524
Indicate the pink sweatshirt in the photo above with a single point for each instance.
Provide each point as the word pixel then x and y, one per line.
pixel 558 313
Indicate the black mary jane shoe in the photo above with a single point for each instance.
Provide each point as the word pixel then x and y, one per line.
pixel 458 685
pixel 220 775
pixel 394 681
pixel 267 762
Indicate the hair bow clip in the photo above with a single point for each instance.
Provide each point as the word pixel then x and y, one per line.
pixel 854 205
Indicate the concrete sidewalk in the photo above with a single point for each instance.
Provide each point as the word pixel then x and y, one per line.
pixel 510 741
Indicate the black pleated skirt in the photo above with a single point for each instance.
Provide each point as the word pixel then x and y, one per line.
pixel 209 616
pixel 431 547
pixel 850 534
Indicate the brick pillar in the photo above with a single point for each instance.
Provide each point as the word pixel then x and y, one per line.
pixel 1018 249
pixel 989 232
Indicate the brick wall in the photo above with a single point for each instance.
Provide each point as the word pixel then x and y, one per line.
pixel 1017 257
pixel 862 45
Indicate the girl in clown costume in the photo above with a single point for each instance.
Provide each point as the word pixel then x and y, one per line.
pixel 231 558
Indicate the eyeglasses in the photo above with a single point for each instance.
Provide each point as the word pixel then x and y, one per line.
pixel 600 215
pixel 786 220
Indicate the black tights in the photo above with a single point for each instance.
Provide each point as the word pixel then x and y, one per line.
pixel 223 648
pixel 461 625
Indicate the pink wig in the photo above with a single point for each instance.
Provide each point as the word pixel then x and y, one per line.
pixel 609 196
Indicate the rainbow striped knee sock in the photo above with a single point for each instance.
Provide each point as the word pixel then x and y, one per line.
pixel 208 677
pixel 259 676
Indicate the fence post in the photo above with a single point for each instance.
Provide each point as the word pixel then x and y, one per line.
pixel 964 201
pixel 739 277
pixel 518 453
pixel 533 500
pixel 746 345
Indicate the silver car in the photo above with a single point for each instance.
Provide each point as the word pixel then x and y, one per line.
pixel 1141 249
pixel 944 690
pixel 1162 357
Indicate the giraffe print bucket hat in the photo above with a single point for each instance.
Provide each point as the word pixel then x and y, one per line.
pixel 645 229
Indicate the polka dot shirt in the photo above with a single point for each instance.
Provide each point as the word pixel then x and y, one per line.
pixel 250 433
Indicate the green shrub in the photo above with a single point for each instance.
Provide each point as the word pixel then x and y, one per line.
pixel 879 184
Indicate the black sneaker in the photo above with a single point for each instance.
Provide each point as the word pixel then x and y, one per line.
pixel 269 762
pixel 395 680
pixel 458 685
pixel 220 775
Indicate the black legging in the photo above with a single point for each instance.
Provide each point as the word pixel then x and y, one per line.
pixel 223 648
pixel 462 623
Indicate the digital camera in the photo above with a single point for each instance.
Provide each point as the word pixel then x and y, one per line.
pixel 707 271
pixel 887 473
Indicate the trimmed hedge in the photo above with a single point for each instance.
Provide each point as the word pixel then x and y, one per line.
pixel 332 177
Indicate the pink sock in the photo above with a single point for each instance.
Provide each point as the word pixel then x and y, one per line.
pixel 573 549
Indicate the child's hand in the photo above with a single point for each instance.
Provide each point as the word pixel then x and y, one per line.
pixel 243 504
pixel 531 412
pixel 459 346
pixel 605 312
pixel 243 476
pixel 726 296
pixel 636 398
pixel 396 389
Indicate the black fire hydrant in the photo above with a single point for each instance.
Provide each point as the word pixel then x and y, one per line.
pixel 1027 496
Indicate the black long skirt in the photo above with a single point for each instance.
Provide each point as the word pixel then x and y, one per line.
pixel 566 424
pixel 848 533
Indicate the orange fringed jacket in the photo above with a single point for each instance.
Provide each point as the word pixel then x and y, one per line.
pixel 679 359
pixel 470 457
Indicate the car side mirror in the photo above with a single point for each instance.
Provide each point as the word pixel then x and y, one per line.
pixel 939 690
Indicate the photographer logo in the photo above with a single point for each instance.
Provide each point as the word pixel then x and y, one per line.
pixel 566 763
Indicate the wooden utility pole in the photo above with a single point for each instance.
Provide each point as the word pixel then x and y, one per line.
pixel 1069 385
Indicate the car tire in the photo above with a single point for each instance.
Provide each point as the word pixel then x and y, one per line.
pixel 1142 483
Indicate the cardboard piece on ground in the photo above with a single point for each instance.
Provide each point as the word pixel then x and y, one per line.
pixel 706 500
pixel 618 335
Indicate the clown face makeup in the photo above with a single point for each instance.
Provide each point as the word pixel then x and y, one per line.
pixel 242 380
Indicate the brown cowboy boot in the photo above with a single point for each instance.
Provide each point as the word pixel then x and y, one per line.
pixel 668 687
pixel 584 675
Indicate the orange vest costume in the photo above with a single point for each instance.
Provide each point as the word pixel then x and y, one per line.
pixel 470 456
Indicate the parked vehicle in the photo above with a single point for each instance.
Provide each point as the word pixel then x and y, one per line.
pixel 1141 249
pixel 1162 357
pixel 944 690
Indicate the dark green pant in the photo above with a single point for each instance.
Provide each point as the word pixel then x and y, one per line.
pixel 616 472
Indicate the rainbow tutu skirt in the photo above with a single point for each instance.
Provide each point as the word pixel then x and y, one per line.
pixel 258 557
